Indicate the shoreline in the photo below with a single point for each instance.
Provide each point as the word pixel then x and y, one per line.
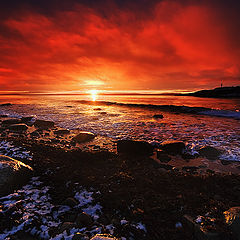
pixel 140 195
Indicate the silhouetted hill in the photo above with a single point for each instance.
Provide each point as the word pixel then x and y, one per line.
pixel 222 92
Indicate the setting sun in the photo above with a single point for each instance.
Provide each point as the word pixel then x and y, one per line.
pixel 94 94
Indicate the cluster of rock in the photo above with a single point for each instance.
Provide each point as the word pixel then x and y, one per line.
pixel 227 227
pixel 165 150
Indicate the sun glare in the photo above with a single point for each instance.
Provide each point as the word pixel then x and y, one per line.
pixel 94 94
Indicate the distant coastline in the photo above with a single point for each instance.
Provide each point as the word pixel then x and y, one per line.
pixel 221 92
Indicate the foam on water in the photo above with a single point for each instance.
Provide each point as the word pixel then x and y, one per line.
pixel 196 126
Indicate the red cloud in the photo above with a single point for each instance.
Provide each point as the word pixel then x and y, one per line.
pixel 174 46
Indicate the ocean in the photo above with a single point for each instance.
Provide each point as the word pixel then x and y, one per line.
pixel 196 121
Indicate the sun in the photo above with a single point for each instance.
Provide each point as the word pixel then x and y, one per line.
pixel 94 94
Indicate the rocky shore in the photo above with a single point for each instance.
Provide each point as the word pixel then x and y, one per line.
pixel 69 184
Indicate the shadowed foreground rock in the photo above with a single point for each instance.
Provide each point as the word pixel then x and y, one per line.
pixel 134 147
pixel 209 152
pixel 42 124
pixel 173 147
pixel 13 174
pixel 232 217
pixel 21 127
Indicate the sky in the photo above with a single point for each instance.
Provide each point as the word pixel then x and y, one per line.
pixel 74 45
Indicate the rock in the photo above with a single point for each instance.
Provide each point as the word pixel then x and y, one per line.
pixel 5 104
pixel 232 217
pixel 62 132
pixel 162 156
pixel 66 226
pixel 71 202
pixel 134 147
pixel 173 147
pixel 103 237
pixel 158 116
pixel 209 152
pixel 27 120
pixel 21 127
pixel 13 174
pixel 84 220
pixel 198 232
pixel 42 124
pixel 11 121
pixel 83 137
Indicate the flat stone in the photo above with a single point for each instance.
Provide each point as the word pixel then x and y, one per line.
pixel 21 127
pixel 84 137
pixel 11 121
pixel 42 124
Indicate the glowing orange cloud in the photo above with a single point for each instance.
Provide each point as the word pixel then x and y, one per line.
pixel 173 45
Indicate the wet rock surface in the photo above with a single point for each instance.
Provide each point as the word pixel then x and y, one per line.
pixel 139 198
pixel 83 137
pixel 42 124
pixel 13 174
pixel 134 147
pixel 209 152
pixel 173 147
pixel 21 127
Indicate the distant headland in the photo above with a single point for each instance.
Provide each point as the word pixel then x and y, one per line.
pixel 221 92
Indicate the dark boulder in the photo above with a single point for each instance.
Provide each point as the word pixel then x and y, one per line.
pixel 21 127
pixel 134 147
pixel 209 152
pixel 42 124
pixel 11 121
pixel 27 120
pixel 232 217
pixel 173 147
pixel 13 174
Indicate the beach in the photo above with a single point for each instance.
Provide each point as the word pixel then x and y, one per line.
pixel 104 167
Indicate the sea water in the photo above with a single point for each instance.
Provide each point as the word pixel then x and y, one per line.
pixel 196 121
